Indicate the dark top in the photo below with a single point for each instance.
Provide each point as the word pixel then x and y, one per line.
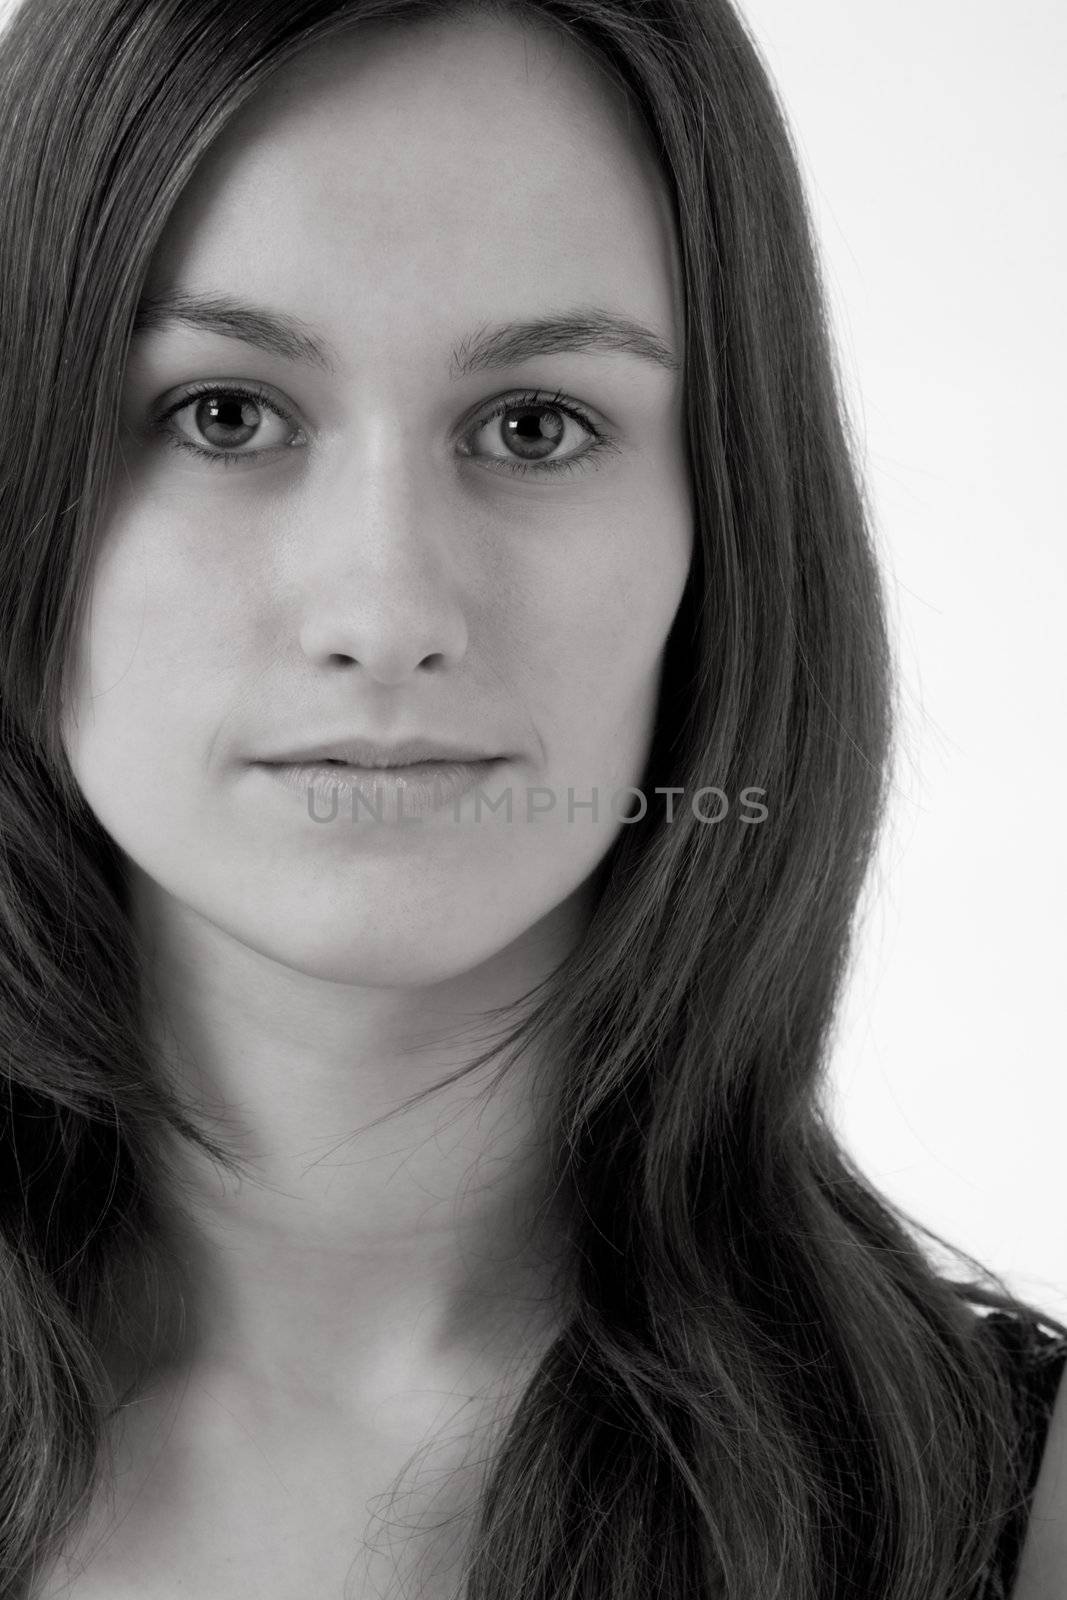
pixel 1035 1359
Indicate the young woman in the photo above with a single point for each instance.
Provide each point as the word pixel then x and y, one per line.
pixel 392 384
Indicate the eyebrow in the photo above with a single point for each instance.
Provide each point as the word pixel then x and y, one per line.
pixel 493 345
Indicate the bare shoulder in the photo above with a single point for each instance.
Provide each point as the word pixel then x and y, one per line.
pixel 1042 1573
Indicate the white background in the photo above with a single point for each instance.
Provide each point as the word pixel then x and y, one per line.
pixel 932 134
pixel 932 137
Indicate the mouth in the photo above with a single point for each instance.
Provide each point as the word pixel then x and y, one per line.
pixel 379 794
pixel 426 768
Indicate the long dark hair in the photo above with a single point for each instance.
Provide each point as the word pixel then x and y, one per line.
pixel 764 1386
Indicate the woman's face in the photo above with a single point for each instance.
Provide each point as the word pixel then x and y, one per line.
pixel 364 555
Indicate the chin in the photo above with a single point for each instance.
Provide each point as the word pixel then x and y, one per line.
pixel 377 953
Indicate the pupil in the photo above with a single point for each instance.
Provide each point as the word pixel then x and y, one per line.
pixel 228 413
pixel 532 430
pixel 220 409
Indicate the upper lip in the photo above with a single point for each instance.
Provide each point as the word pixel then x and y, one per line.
pixel 358 752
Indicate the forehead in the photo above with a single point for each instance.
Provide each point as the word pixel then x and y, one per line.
pixel 447 172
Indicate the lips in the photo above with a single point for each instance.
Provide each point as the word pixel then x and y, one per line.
pixel 388 793
pixel 370 755
pixel 413 771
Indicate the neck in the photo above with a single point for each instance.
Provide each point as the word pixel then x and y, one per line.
pixel 347 1255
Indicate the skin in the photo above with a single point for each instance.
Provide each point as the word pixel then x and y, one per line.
pixel 395 192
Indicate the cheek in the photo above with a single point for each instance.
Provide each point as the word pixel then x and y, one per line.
pixel 601 625
pixel 151 631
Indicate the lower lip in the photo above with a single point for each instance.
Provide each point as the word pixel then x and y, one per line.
pixel 380 794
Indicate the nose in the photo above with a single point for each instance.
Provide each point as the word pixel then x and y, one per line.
pixel 379 581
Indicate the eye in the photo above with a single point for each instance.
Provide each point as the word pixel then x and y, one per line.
pixel 536 427
pixel 227 417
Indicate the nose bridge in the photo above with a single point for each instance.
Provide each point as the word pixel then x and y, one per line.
pixel 381 576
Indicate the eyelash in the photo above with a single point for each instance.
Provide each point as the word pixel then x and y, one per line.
pixel 530 398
